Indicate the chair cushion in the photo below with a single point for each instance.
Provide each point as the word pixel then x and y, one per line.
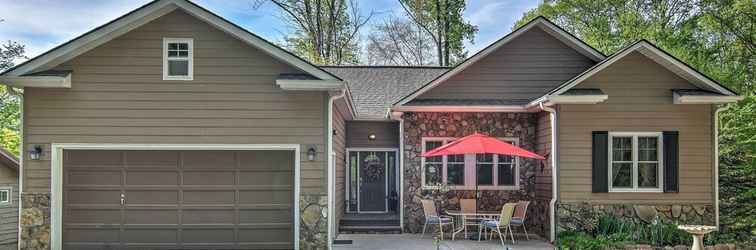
pixel 490 223
pixel 435 220
pixel 516 221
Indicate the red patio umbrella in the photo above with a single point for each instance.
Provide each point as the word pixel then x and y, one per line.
pixel 481 144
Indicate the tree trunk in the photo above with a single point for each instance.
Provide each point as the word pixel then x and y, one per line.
pixel 439 48
pixel 446 33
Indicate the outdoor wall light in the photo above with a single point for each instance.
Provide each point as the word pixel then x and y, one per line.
pixel 35 153
pixel 371 137
pixel 311 153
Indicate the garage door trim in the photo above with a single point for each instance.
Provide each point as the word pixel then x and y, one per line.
pixel 56 164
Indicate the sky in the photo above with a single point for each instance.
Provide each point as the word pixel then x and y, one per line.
pixel 44 24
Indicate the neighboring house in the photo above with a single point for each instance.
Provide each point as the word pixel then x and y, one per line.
pixel 172 127
pixel 8 200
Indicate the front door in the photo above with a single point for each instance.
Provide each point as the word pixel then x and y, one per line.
pixel 372 167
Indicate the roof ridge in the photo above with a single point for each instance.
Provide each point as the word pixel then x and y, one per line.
pixel 386 66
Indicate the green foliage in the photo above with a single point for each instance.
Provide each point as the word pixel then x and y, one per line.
pixel 611 232
pixel 445 24
pixel 10 101
pixel 717 37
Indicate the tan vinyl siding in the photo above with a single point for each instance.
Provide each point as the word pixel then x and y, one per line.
pixel 639 100
pixel 524 68
pixel 9 212
pixel 118 96
pixel 543 183
pixel 340 115
pixel 386 134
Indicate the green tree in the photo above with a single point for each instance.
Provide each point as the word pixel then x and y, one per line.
pixel 714 36
pixel 10 100
pixel 443 22
pixel 325 31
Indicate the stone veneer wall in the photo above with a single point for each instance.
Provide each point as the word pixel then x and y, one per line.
pixel 419 125
pixel 584 216
pixel 35 221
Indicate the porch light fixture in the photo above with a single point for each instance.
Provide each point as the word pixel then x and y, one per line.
pixel 371 137
pixel 35 153
pixel 311 153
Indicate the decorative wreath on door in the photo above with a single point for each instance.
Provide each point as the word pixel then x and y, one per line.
pixel 373 168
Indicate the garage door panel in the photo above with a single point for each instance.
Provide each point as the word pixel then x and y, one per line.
pixel 92 216
pixel 93 158
pixel 271 235
pixel 190 199
pixel 254 216
pixel 151 216
pixel 209 197
pixel 152 159
pixel 210 160
pixel 276 178
pixel 135 177
pixel 141 235
pixel 83 197
pixel 267 160
pixel 142 197
pixel 94 177
pixel 82 235
pixel 216 178
pixel 208 235
pixel 265 196
pixel 208 216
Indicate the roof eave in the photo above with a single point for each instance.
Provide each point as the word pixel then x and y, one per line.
pixel 37 81
pixel 689 99
pixel 310 85
pixel 457 109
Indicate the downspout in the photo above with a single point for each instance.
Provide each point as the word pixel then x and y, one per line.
pixel 716 162
pixel 331 168
pixel 397 116
pixel 554 160
pixel 21 153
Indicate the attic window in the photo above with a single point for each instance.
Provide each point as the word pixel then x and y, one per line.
pixel 178 59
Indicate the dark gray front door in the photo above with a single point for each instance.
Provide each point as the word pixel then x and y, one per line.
pixel 372 167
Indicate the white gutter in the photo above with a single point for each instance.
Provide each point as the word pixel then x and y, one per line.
pixel 331 168
pixel 398 117
pixel 554 160
pixel 716 163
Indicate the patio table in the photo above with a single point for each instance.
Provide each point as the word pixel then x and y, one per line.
pixel 460 218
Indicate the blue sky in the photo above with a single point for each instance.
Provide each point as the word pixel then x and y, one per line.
pixel 44 24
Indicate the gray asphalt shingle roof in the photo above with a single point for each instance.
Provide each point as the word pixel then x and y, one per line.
pixel 375 88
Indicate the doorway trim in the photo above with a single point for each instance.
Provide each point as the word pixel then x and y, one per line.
pixel 348 181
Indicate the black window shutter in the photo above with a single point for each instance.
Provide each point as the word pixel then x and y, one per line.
pixel 671 168
pixel 600 161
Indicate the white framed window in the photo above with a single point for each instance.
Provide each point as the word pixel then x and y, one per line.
pixel 178 59
pixel 5 195
pixel 635 162
pixel 461 172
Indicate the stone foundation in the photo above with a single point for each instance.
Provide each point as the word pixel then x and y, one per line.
pixel 35 221
pixel 419 125
pixel 313 226
pixel 585 216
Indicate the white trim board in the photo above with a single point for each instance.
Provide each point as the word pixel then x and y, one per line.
pixel 37 81
pixel 145 14
pixel 310 85
pixel 687 99
pixel 56 164
pixel 539 22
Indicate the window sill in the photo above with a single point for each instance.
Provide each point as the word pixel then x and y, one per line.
pixel 174 78
pixel 636 191
pixel 472 188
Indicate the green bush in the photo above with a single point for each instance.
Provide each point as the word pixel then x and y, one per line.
pixel 611 232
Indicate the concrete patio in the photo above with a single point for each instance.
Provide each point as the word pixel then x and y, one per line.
pixel 413 241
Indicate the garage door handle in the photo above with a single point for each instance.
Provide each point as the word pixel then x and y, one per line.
pixel 123 199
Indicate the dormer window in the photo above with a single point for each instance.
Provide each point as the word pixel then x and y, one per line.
pixel 178 59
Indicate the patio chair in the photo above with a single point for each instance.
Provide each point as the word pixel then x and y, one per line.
pixel 502 223
pixel 518 219
pixel 468 206
pixel 432 218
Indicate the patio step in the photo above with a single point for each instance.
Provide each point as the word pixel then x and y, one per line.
pixel 370 229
